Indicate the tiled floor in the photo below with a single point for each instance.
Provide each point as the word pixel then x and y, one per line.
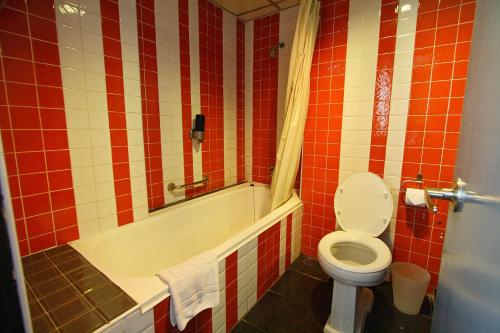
pixel 301 299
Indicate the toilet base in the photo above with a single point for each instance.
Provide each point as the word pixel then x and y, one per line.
pixel 350 306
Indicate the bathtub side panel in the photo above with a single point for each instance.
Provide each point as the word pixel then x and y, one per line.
pixel 244 276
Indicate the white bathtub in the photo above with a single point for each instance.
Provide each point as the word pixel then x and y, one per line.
pixel 223 221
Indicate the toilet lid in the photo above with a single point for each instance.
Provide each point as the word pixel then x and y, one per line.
pixel 363 203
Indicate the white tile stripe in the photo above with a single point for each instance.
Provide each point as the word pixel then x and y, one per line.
pixel 229 93
pixel 84 88
pixel 247 277
pixel 169 93
pixel 282 253
pixel 288 19
pixel 403 61
pixel 219 312
pixel 248 98
pixel 361 66
pixel 194 56
pixel 132 91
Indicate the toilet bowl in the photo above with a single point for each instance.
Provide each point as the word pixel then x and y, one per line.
pixel 355 257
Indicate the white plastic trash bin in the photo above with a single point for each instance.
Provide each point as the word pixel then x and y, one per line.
pixel 409 284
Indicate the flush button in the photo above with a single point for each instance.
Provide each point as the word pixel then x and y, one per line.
pixel 386 195
pixel 341 190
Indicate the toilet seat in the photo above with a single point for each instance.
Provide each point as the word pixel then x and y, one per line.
pixel 363 203
pixel 382 259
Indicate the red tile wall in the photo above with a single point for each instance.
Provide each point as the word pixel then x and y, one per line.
pixel 321 150
pixel 187 123
pixel 33 127
pixel 211 93
pixel 442 45
pixel 116 109
pixel 265 97
pixel 150 102
pixel 383 85
pixel 202 323
pixel 231 290
pixel 240 100
pixel 268 250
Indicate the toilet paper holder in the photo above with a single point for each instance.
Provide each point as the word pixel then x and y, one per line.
pixel 418 180
pixel 428 200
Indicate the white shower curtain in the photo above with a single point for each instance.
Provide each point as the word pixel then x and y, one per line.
pixel 296 102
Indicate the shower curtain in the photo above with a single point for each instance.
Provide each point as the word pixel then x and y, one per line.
pixel 296 103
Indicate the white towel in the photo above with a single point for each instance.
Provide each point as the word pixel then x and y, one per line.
pixel 193 286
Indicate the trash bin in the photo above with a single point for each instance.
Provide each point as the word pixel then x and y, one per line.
pixel 409 284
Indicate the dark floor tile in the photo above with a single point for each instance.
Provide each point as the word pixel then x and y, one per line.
pixel 102 293
pixel 309 266
pixel 387 319
pixel 298 287
pixel 276 314
pixel 35 309
pixel 383 292
pixel 86 323
pixel 323 303
pixel 58 250
pixel 116 306
pixel 72 263
pixel 42 324
pixel 38 266
pixel 86 285
pixel 60 297
pixel 33 258
pixel 314 323
pixel 50 286
pixel 69 311
pixel 82 273
pixel 244 327
pixel 42 276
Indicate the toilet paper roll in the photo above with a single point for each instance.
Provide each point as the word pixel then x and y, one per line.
pixel 415 197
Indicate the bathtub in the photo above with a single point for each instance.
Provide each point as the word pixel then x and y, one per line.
pixel 223 221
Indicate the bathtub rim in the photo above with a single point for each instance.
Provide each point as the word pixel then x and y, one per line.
pixel 148 291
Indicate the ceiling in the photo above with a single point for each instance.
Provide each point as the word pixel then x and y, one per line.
pixel 247 10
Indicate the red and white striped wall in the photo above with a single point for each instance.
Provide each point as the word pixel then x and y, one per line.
pixel 106 93
pixel 388 81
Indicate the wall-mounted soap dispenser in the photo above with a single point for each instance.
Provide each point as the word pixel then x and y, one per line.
pixel 197 133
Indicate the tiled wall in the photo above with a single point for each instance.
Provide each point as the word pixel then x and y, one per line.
pixel 96 106
pixel 322 136
pixel 35 128
pixel 388 80
pixel 97 99
pixel 442 47
pixel 265 97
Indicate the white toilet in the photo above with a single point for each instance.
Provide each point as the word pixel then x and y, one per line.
pixel 355 257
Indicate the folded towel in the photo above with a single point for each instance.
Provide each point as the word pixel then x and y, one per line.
pixel 193 286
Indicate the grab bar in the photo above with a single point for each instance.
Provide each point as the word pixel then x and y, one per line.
pixel 171 186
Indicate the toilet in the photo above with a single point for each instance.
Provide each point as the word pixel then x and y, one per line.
pixel 354 257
